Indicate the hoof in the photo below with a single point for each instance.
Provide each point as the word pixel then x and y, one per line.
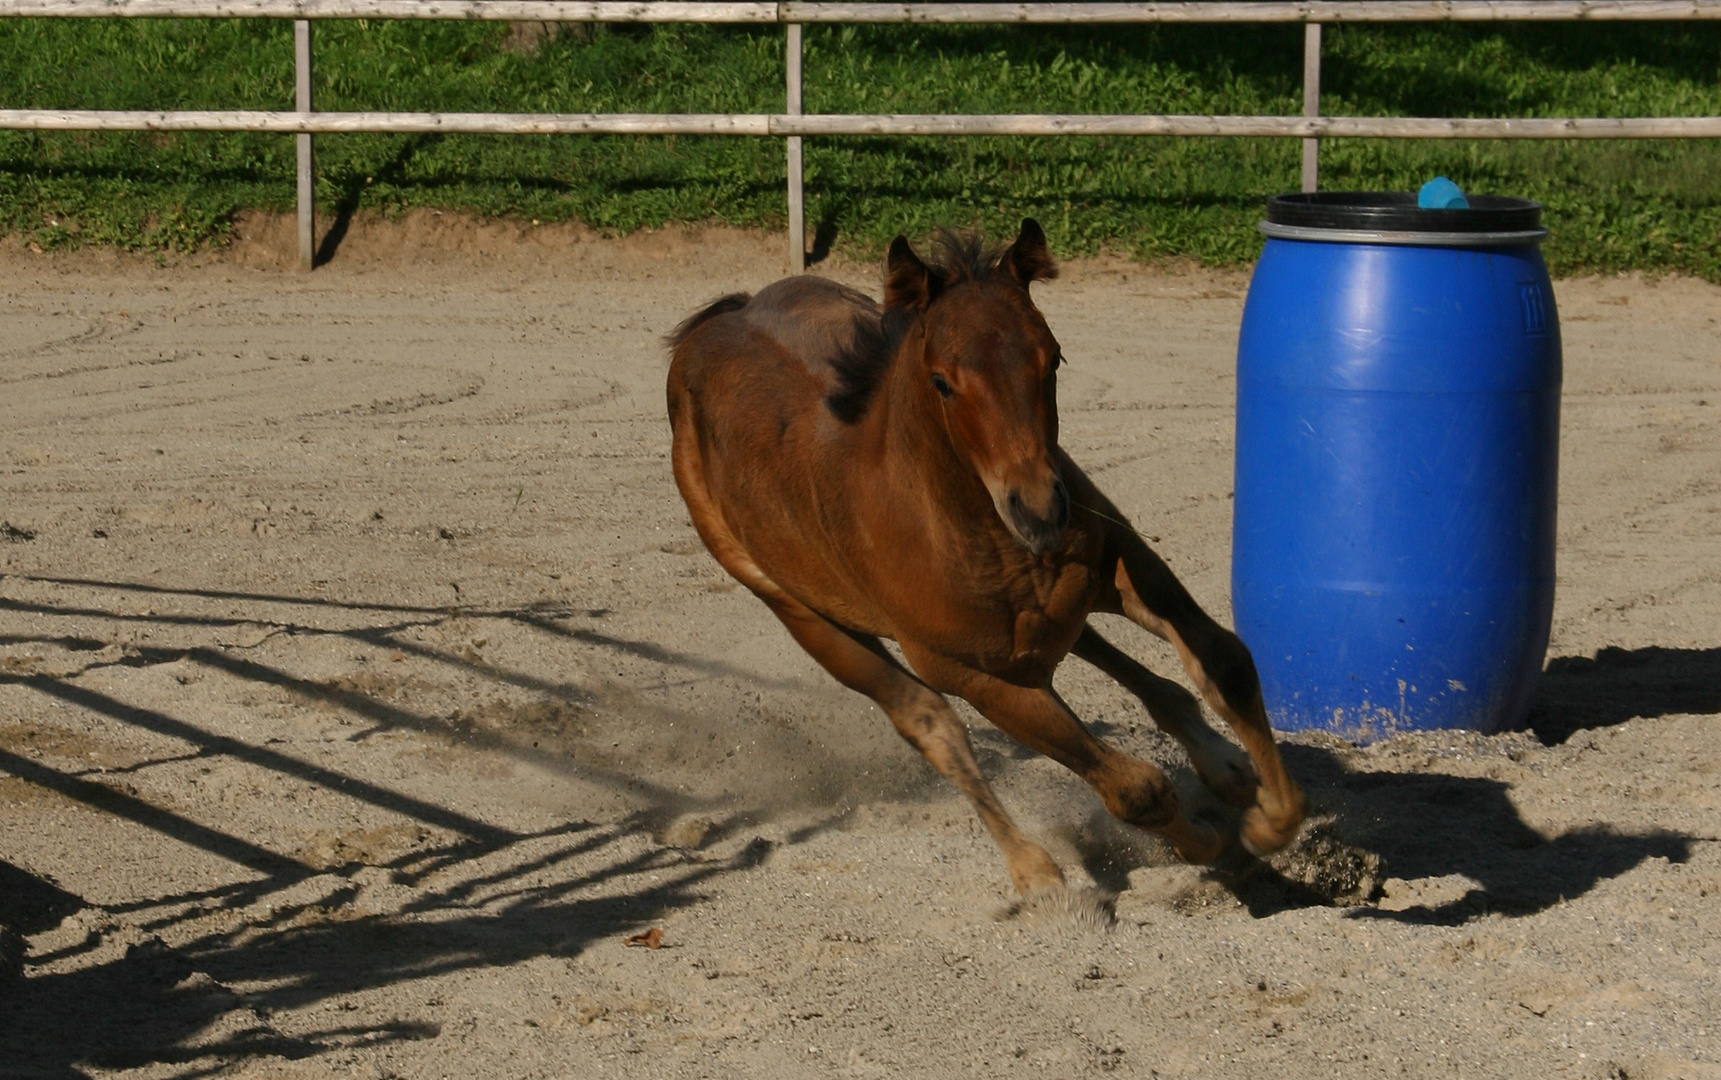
pixel 1201 840
pixel 1265 830
pixel 1033 871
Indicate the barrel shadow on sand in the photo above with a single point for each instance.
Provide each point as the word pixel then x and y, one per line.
pixel 1578 692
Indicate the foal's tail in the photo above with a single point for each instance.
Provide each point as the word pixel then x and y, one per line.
pixel 721 306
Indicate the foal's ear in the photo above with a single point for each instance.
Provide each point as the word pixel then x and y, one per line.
pixel 908 283
pixel 1028 260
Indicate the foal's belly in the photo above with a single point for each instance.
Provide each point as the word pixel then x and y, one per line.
pixel 783 536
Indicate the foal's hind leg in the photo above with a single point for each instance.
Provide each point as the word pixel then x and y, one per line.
pixel 924 718
pixel 1220 765
pixel 860 662
pixel 1220 665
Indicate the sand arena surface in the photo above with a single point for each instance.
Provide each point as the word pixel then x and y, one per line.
pixel 363 686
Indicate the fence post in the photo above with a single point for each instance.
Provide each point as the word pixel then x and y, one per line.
pixel 307 175
pixel 1311 100
pixel 797 207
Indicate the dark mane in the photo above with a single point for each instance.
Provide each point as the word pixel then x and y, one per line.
pixel 964 255
pixel 860 368
pixel 720 306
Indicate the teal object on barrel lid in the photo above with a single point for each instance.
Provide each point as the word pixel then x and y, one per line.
pixel 1441 194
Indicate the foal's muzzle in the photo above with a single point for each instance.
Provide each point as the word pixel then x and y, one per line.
pixel 1039 528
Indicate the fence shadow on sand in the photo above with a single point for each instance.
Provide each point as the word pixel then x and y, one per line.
pixel 273 931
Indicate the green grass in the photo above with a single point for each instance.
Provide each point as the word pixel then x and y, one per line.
pixel 1612 205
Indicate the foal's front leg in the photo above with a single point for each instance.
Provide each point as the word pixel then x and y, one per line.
pixel 1222 767
pixel 1220 666
pixel 1134 791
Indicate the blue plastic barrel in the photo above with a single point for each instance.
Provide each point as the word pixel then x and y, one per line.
pixel 1398 394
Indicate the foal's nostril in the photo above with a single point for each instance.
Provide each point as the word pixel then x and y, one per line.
pixel 1060 504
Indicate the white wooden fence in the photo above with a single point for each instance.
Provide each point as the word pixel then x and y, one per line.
pixel 794 125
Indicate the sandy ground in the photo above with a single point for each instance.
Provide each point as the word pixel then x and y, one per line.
pixel 363 686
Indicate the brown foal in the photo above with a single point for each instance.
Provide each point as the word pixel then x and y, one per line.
pixel 894 472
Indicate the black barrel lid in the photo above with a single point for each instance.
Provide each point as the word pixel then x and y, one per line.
pixel 1397 212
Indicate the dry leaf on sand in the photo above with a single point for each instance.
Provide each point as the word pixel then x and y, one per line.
pixel 651 939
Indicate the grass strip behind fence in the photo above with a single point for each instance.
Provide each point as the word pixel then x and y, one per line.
pixel 1613 205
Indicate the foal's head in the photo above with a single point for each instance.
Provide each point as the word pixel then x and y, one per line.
pixel 987 363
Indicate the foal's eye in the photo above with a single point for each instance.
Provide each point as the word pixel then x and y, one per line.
pixel 943 386
pixel 1057 360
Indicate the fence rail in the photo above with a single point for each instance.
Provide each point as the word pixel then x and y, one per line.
pixel 811 11
pixel 793 125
